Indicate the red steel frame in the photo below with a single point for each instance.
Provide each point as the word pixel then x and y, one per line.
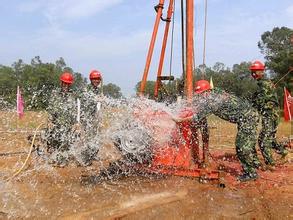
pixel 178 161
pixel 189 47
pixel 160 68
pixel 151 47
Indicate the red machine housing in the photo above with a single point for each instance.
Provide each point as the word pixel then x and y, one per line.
pixel 175 151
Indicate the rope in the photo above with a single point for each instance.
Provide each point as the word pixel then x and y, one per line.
pixel 28 156
pixel 290 70
pixel 193 51
pixel 204 40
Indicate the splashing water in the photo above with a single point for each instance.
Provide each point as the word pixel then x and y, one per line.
pixel 120 127
pixel 123 129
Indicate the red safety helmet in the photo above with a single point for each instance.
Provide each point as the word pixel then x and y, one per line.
pixel 201 86
pixel 257 66
pixel 95 74
pixel 67 78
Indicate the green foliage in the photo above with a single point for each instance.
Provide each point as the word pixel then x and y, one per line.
pixel 238 81
pixel 36 80
pixel 168 91
pixel 275 45
pixel 149 89
pixel 112 90
pixel 79 81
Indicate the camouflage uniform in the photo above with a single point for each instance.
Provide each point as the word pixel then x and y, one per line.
pixel 89 109
pixel 265 100
pixel 202 126
pixel 90 119
pixel 234 110
pixel 62 116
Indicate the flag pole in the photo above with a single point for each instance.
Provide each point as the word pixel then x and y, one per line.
pixel 286 107
pixel 17 106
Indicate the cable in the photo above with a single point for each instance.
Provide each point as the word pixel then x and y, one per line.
pixel 172 40
pixel 28 156
pixel 182 40
pixel 290 70
pixel 204 40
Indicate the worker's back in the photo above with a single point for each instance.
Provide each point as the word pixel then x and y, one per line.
pixel 222 104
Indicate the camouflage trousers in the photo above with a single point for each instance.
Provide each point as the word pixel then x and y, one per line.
pixel 267 137
pixel 58 143
pixel 246 141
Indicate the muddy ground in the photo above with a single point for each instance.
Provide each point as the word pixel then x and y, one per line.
pixel 45 192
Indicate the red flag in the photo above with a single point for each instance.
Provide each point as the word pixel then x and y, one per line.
pixel 288 106
pixel 19 103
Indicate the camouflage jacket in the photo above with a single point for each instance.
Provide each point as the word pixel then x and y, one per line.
pixel 265 99
pixel 95 90
pixel 222 104
pixel 90 100
pixel 62 110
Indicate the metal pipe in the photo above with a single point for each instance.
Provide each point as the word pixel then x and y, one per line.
pixel 151 47
pixel 182 40
pixel 189 47
pixel 163 50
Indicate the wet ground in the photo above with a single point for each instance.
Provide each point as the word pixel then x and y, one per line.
pixel 42 191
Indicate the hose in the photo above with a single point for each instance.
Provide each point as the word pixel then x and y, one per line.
pixel 28 156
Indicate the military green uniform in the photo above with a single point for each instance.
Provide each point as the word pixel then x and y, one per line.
pixel 266 101
pixel 90 119
pixel 90 109
pixel 202 126
pixel 234 110
pixel 62 116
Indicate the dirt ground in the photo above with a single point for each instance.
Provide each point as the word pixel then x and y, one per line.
pixel 45 192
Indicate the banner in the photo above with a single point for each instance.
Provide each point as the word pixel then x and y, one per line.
pixel 288 105
pixel 19 103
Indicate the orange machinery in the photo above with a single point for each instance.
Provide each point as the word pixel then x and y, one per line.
pixel 179 156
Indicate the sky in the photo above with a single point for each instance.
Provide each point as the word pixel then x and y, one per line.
pixel 113 36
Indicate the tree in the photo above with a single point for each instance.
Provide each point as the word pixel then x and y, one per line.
pixel 36 80
pixel 149 89
pixel 60 64
pixel 238 81
pixel 168 91
pixel 220 67
pixel 278 53
pixel 242 69
pixel 7 82
pixel 275 45
pixel 79 81
pixel 112 90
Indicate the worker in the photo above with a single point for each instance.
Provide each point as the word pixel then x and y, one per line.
pixel 234 110
pixel 90 102
pixel 61 111
pixel 265 100
pixel 96 81
pixel 201 126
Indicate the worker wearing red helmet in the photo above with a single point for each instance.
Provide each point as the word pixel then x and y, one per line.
pixel 234 110
pixel 90 117
pixel 202 126
pixel 265 100
pixel 66 80
pixel 96 81
pixel 60 134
